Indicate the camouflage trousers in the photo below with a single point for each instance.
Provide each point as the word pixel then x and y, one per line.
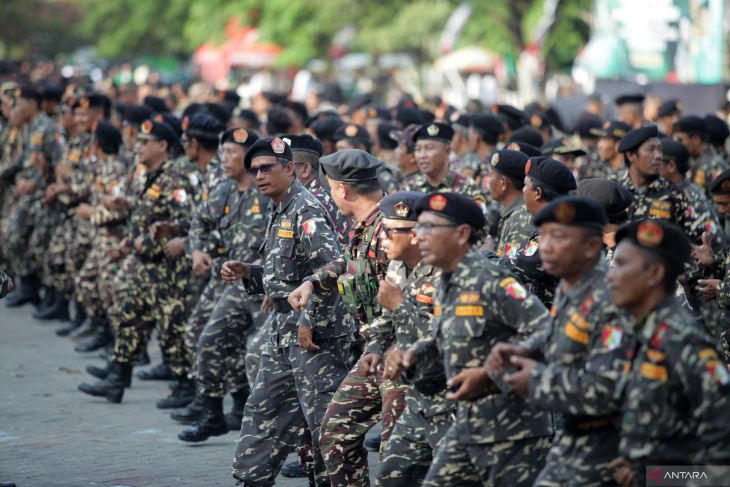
pixel 201 312
pixel 290 395
pixel 68 248
pixel 153 298
pixel 255 345
pixel 361 401
pixel 121 281
pixel 17 232
pixel 580 461
pixel 409 452
pixel 94 282
pixel 503 464
pixel 221 350
pixel 47 220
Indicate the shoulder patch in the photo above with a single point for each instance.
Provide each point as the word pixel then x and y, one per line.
pixel 611 337
pixel 660 333
pixel 531 248
pixel 180 196
pixel 513 288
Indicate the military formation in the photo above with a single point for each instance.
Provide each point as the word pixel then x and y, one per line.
pixel 516 302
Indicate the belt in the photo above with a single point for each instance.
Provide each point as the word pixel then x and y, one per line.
pixel 282 306
pixel 583 425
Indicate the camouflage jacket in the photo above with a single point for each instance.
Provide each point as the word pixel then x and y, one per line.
pixel 235 219
pixel 342 224
pixel 585 352
pixel 515 229
pixel 83 171
pixel 469 165
pixel 705 218
pixel 526 265
pixel 110 181
pixel 388 179
pixel 477 306
pixel 166 196
pixel 299 239
pixel 705 168
pixel 660 200
pixel 591 166
pixel 675 393
pixel 42 136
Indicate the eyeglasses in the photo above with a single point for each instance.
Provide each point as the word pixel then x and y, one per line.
pixel 428 227
pixel 263 169
pixel 141 141
pixel 390 231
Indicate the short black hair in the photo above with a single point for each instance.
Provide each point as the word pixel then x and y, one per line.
pixel 365 187
pixel 207 144
pixel 307 157
pixel 672 270
pixel 548 194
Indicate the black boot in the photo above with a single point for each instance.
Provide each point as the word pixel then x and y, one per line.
pixel 235 417
pixel 57 308
pixel 84 326
pixel 190 413
pixel 101 338
pixel 144 358
pixel 120 376
pixel 212 422
pixel 46 300
pixel 293 470
pixel 160 371
pixel 182 395
pixel 26 292
pixel 98 372
pixel 69 327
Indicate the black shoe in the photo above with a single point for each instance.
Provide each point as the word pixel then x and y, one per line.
pixel 372 443
pixel 102 337
pixel 107 353
pixel 26 292
pixel 211 422
pixel 160 371
pixel 120 376
pixel 98 372
pixel 66 330
pixel 57 309
pixel 235 417
pixel 182 395
pixel 143 359
pixel 191 413
pixel 46 300
pixel 293 470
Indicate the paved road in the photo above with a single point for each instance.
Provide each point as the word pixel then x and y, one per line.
pixel 53 435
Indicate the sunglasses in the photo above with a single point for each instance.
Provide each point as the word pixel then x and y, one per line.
pixel 263 169
pixel 428 227
pixel 389 232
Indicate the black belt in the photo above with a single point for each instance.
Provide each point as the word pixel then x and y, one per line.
pixel 584 425
pixel 282 306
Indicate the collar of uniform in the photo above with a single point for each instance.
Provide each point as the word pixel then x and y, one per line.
pixel 577 294
pixel 369 219
pixel 663 311
pixel 507 210
pixel 293 190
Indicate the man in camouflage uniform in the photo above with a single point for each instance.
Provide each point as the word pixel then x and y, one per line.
pixel 675 391
pixel 153 298
pixel 351 136
pixel 705 163
pixel 506 181
pixel 495 439
pixel 32 172
pixel 466 161
pixel 407 298
pixel 584 350
pixel 545 180
pixel 303 360
pixel 236 210
pixel 611 160
pixel 363 397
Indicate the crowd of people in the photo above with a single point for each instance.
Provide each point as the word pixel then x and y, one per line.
pixel 518 303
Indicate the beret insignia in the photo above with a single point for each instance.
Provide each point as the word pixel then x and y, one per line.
pixel 437 202
pixel 351 130
pixel 528 166
pixel 401 209
pixel 240 135
pixel 278 146
pixel 649 234
pixel 495 159
pixel 147 127
pixel 432 130
pixel 564 213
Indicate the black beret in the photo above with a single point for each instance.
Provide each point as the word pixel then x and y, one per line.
pixel 634 98
pixel 586 124
pixel 240 136
pixel 678 152
pixel 461 119
pixel 561 145
pixel 53 92
pixel 634 138
pixel 304 143
pixel 427 116
pixel 553 174
pixel 94 100
pixel 438 131
pixel 717 129
pixel 377 111
pixel 192 109
pixel 487 125
pixel 278 121
pixel 612 128
pixel 151 129
pixel 405 136
pixel 171 120
pixel 614 198
pixel 691 124
pixel 220 111
pixel 274 97
pixel 352 132
pixel 232 97
pixel 249 115
pixel 30 92
pixel 527 134
pixel 321 115
pixel 401 205
pixel 455 206
pixel 297 108
pixel 268 146
pixel 108 137
pixel 669 107
pixel 525 148
pixel 509 163
pixel 659 237
pixel 514 117
pixel 204 126
pixel 574 211
pixel 156 103
pixel 351 166
pixel 136 114
pixel 407 116
pixel 384 137
pixel 326 128
pixel 360 101
pixel 721 184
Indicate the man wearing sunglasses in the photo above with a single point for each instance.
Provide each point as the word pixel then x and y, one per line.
pixel 303 361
